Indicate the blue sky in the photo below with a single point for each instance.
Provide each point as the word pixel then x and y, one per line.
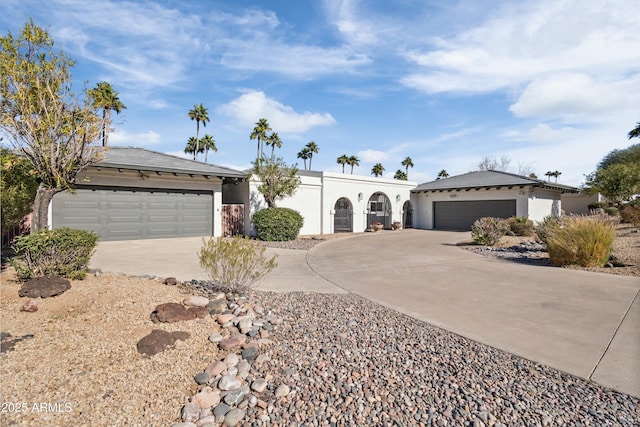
pixel 551 84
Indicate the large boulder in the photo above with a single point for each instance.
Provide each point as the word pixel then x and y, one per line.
pixel 44 287
pixel 158 341
pixel 173 312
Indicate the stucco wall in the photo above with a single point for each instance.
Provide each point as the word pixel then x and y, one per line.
pixel 423 201
pixel 316 197
pixel 543 203
pixel 579 203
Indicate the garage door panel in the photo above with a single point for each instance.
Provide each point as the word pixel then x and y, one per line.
pixel 126 214
pixel 460 215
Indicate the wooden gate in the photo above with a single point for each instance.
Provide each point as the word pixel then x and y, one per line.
pixel 232 220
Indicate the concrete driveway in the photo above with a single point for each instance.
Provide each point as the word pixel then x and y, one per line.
pixel 586 324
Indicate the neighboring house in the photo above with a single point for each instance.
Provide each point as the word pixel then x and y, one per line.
pixel 579 203
pixel 455 203
pixel 133 193
pixel 335 202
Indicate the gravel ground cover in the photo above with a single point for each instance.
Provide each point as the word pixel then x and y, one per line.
pixel 345 362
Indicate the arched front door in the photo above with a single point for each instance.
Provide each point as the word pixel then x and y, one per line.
pixel 379 208
pixel 407 220
pixel 343 217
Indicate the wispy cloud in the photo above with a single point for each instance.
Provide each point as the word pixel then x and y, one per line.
pixel 143 139
pixel 253 105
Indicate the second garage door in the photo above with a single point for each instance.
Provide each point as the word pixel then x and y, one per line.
pixel 461 215
pixel 129 214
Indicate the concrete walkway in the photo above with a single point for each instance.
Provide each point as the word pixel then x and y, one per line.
pixel 586 324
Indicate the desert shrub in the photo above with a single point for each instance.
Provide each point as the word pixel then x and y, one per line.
pixel 488 230
pixel 521 225
pixel 234 265
pixel 597 205
pixel 546 226
pixel 582 240
pixel 277 224
pixel 630 214
pixel 612 211
pixel 63 252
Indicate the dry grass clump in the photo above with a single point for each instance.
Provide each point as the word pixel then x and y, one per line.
pixel 582 240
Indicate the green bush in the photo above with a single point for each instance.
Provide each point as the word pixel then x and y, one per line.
pixel 234 265
pixel 612 211
pixel 546 226
pixel 521 225
pixel 582 240
pixel 277 224
pixel 488 230
pixel 63 252
pixel 597 205
pixel 18 186
pixel 630 214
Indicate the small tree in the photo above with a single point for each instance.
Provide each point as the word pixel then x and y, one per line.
pixel 42 118
pixel 277 179
pixel 442 174
pixel 618 182
pixel 489 163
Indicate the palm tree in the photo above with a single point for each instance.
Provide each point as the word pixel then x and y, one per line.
pixel 105 97
pixel 193 147
pixel 260 133
pixel 442 174
pixel 377 169
pixel 274 141
pixel 402 176
pixel 313 149
pixel 304 155
pixel 343 160
pixel 407 163
pixel 548 174
pixel 353 161
pixel 556 174
pixel 199 114
pixel 208 143
pixel 635 132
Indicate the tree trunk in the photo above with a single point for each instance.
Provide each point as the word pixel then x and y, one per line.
pixel 40 219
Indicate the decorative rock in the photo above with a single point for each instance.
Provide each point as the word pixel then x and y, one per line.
pixel 224 318
pixel 207 421
pixel 173 312
pixel 30 306
pixel 221 409
pixel 216 369
pixel 232 371
pixel 171 281
pixel 259 385
pixel 243 369
pixel 215 337
pixel 158 341
pixel 206 398
pixel 202 378
pixel 218 296
pixel 261 359
pixel 250 354
pixel 228 382
pixel 190 412
pixel 282 390
pixel 196 301
pixel 218 306
pixel 184 424
pixel 235 397
pixel 244 325
pixel 234 417
pixel 44 287
pixel 232 342
pixel 232 359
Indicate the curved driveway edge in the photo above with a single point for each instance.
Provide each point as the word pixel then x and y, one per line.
pixel 586 324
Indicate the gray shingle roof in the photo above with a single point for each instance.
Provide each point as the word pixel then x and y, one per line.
pixel 485 179
pixel 148 160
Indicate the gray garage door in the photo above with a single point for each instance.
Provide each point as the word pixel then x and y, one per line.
pixel 128 214
pixel 461 215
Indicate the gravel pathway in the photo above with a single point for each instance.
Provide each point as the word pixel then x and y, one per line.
pixel 346 361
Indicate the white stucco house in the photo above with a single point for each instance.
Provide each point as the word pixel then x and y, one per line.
pixel 455 203
pixel 335 202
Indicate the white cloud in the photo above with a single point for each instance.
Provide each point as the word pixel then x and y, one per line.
pixel 253 105
pixel 526 41
pixel 373 156
pixel 143 139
